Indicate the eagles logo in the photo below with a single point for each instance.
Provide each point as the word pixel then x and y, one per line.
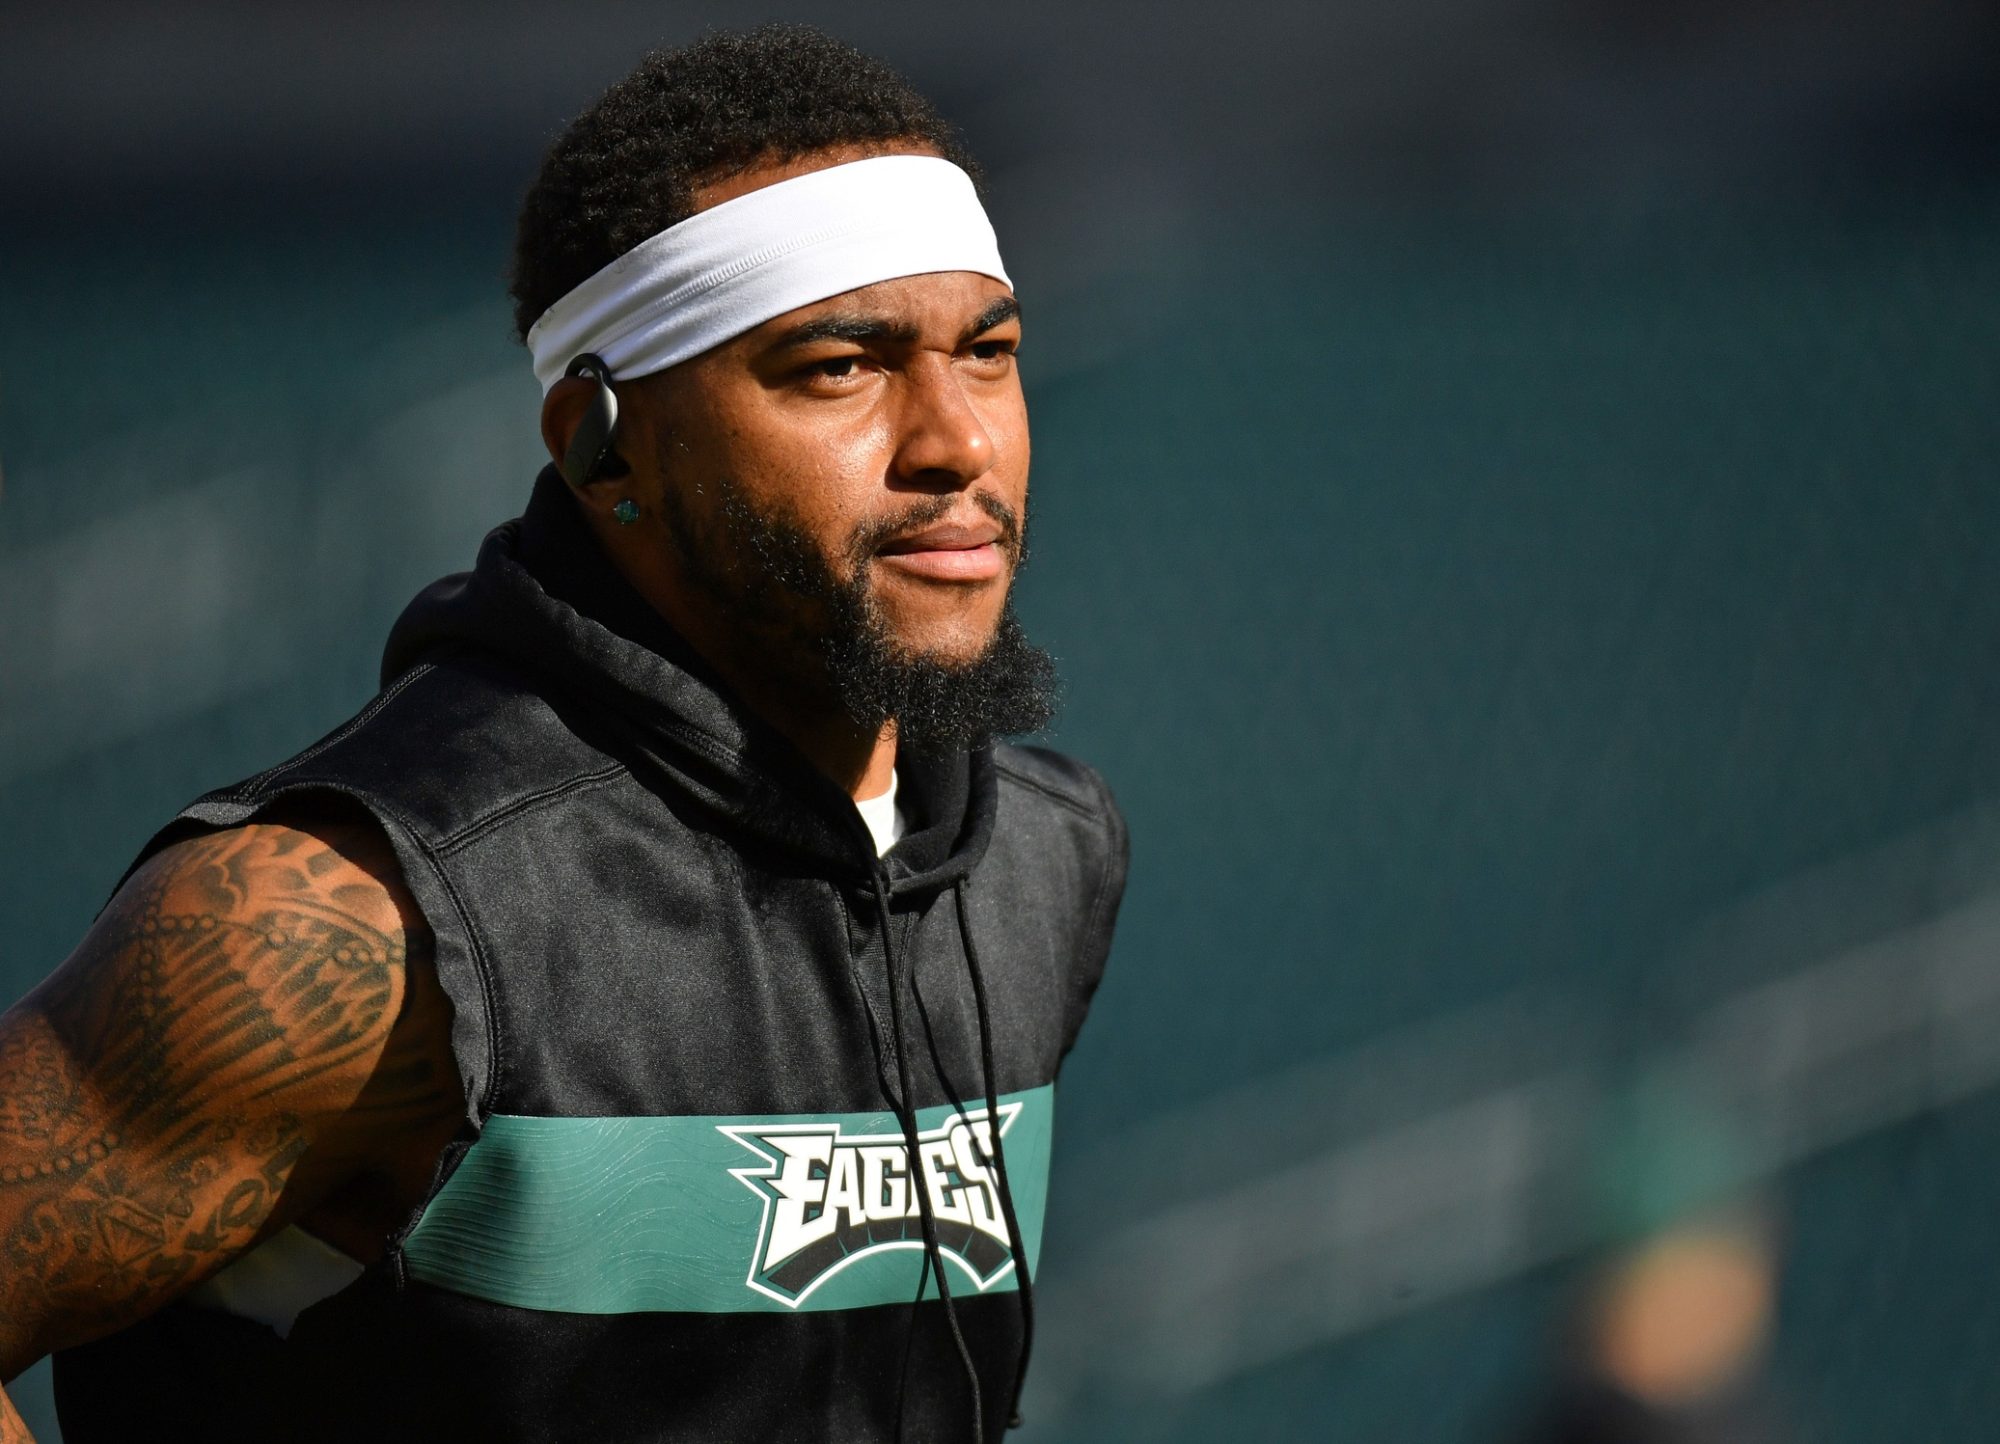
pixel 833 1198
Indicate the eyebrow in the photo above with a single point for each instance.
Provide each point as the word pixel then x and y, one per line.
pixel 858 328
pixel 998 310
pixel 847 328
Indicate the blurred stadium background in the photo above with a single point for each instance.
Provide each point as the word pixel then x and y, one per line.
pixel 1516 502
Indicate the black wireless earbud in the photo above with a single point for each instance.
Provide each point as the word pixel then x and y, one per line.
pixel 589 454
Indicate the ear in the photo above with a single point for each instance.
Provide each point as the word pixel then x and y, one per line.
pixel 562 413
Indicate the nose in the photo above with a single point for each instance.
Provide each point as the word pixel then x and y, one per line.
pixel 942 443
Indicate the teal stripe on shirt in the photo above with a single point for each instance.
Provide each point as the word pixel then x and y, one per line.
pixel 670 1214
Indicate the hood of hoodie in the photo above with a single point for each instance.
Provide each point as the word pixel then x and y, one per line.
pixel 544 600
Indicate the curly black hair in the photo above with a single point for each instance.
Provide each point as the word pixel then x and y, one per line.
pixel 628 167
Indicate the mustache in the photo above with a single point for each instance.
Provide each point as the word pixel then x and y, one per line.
pixel 869 537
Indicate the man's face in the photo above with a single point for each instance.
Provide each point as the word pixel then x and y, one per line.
pixel 888 426
pixel 861 462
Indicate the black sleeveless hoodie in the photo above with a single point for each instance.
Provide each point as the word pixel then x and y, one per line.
pixel 700 1025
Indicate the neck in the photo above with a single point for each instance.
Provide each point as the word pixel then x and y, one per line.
pixel 858 760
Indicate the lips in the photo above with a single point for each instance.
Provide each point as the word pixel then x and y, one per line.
pixel 945 538
pixel 948 552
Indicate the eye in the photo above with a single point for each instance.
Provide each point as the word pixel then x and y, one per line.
pixel 991 350
pixel 830 374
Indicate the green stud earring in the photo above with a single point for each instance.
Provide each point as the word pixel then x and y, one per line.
pixel 627 511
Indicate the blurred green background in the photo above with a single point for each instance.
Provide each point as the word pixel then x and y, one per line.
pixel 1515 501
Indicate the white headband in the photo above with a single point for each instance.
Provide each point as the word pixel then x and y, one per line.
pixel 731 268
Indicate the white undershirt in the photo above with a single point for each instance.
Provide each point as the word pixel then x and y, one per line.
pixel 278 1280
pixel 884 819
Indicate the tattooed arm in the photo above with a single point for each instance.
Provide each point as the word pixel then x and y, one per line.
pixel 249 1034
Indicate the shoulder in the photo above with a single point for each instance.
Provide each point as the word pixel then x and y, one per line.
pixel 1057 812
pixel 1053 799
pixel 282 968
pixel 1056 779
pixel 440 751
pixel 333 860
pixel 300 921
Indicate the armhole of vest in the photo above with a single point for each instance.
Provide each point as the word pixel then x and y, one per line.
pixel 460 961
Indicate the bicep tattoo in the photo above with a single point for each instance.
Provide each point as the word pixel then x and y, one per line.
pixel 157 1093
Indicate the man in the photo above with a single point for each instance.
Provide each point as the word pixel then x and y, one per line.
pixel 639 1022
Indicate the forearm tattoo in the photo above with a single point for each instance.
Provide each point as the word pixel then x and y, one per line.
pixel 158 1093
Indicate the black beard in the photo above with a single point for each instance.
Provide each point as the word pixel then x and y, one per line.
pixel 801 620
